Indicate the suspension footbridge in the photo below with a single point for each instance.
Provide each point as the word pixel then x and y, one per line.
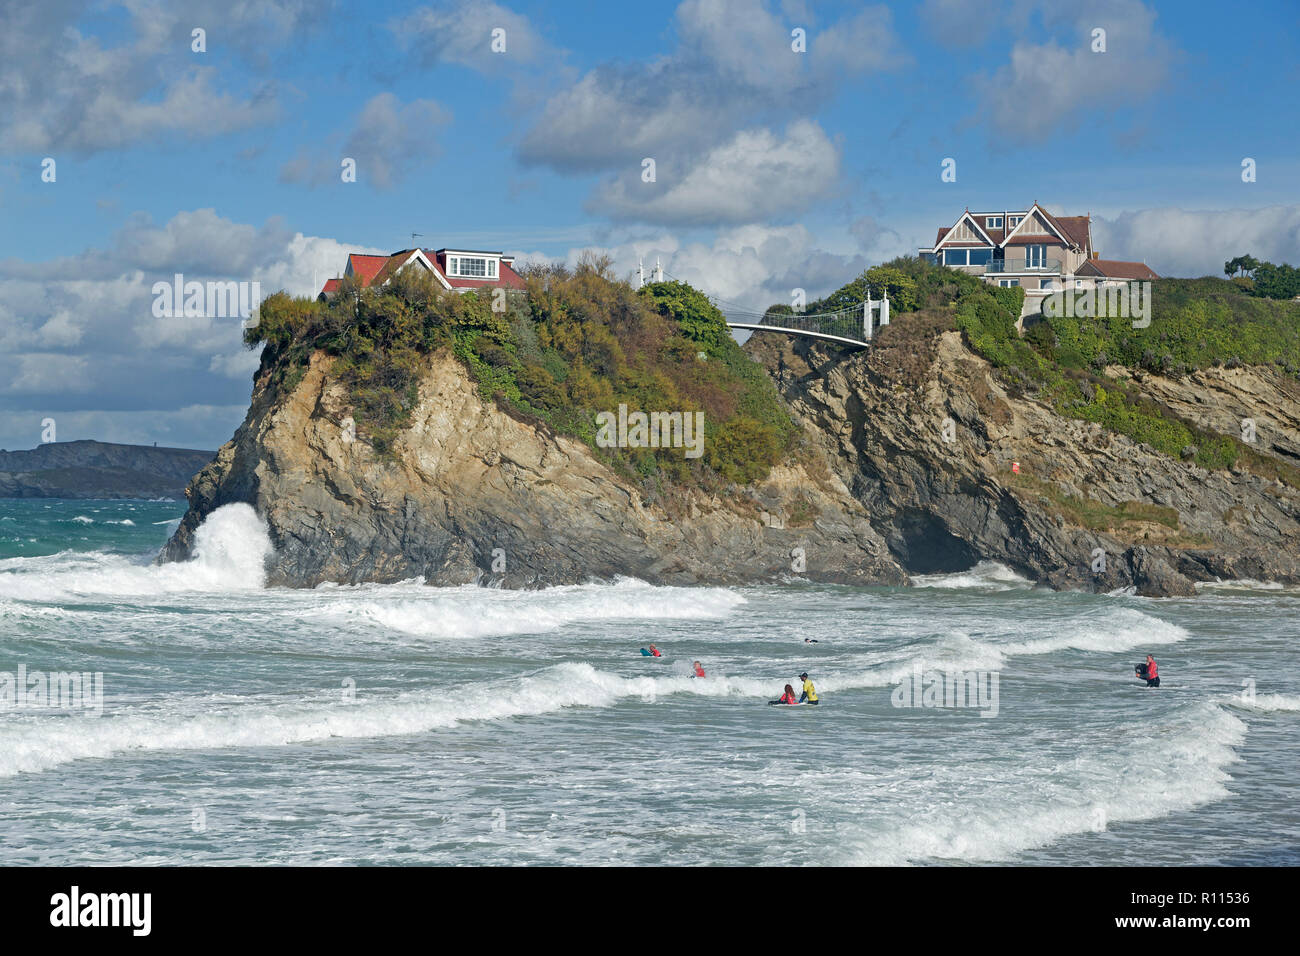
pixel 852 325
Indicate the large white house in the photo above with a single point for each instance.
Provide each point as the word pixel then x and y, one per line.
pixel 1032 249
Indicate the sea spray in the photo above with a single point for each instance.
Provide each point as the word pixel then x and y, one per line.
pixel 231 549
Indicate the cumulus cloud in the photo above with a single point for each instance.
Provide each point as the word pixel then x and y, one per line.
pixel 757 175
pixel 1047 85
pixel 389 141
pixel 79 332
pixel 65 89
pixel 1181 242
pixel 732 72
pixel 747 267
pixel 46 372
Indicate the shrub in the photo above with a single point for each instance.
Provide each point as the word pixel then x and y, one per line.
pixel 577 343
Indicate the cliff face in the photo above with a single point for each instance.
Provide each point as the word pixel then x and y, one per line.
pixel 906 468
pixel 94 469
pixel 473 494
pixel 945 497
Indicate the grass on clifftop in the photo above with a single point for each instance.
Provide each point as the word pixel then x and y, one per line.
pixel 575 343
pixel 1195 323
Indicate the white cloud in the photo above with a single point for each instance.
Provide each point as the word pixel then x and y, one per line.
pixel 1180 242
pixel 62 89
pixel 749 267
pixel 756 176
pixel 47 372
pixel 240 365
pixel 733 64
pixel 1048 85
pixel 80 330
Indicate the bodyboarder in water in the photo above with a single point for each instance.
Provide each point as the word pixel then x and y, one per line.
pixel 1149 672
pixel 809 694
pixel 786 698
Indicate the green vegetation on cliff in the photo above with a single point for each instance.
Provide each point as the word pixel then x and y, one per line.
pixel 574 344
pixel 1195 323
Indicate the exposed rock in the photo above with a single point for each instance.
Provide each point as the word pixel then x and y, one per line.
pixel 473 494
pixel 940 505
pixel 915 459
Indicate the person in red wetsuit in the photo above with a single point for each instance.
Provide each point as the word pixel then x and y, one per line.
pixel 654 651
pixel 1153 673
pixel 786 698
pixel 699 671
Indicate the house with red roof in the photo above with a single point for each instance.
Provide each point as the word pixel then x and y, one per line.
pixel 1033 249
pixel 458 270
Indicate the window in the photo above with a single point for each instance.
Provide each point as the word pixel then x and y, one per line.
pixel 1047 283
pixel 1078 283
pixel 1008 283
pixel 931 258
pixel 966 257
pixel 1035 257
pixel 1013 221
pixel 993 222
pixel 471 267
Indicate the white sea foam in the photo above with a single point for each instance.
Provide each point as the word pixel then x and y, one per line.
pixel 1025 805
pixel 17 610
pixel 1244 584
pixel 82 519
pixel 1114 630
pixel 1118 629
pixel 29 746
pixel 230 552
pixel 989 575
pixel 469 612
pixel 1266 703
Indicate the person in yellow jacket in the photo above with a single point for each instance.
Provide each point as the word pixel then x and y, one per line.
pixel 809 691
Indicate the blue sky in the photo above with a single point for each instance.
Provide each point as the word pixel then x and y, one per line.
pixel 774 169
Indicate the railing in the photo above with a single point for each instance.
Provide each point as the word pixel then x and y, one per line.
pixel 839 325
pixel 1018 265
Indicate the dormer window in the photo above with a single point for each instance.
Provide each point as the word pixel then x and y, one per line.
pixel 992 222
pixel 471 267
pixel 1013 221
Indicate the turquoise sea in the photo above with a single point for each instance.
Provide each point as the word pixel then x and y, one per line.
pixel 402 724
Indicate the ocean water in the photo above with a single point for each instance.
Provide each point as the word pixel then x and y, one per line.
pixel 402 724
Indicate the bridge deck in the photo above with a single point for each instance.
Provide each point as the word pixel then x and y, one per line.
pixel 807 333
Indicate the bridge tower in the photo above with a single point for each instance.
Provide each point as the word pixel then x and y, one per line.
pixel 871 306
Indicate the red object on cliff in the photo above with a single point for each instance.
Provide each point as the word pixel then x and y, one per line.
pixel 1015 467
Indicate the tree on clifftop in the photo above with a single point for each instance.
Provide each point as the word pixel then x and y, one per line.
pixel 1242 264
